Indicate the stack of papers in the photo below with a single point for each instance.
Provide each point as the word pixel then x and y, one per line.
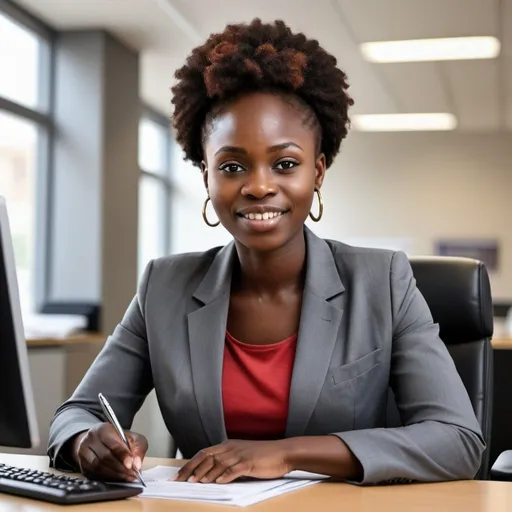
pixel 160 484
pixel 53 326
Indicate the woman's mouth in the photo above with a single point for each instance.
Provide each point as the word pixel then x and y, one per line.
pixel 261 221
pixel 262 216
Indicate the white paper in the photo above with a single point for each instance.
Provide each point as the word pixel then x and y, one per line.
pixel 52 326
pixel 160 484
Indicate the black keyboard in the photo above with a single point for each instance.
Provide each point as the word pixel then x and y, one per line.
pixel 61 489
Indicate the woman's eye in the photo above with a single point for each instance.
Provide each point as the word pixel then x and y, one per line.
pixel 231 168
pixel 285 165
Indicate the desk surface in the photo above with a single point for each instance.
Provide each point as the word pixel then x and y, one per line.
pixel 69 340
pixel 468 496
pixel 497 343
pixel 502 343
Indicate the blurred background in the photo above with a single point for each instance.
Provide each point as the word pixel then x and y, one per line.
pixel 96 186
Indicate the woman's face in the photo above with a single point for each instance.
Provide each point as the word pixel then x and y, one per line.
pixel 261 169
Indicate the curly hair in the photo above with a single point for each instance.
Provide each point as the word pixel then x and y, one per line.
pixel 260 57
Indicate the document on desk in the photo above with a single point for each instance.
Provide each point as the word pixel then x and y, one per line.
pixel 160 484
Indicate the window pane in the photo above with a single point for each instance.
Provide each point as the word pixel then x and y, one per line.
pixel 152 147
pixel 18 148
pixel 19 63
pixel 152 220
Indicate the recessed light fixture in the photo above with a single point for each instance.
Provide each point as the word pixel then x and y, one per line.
pixel 404 122
pixel 417 50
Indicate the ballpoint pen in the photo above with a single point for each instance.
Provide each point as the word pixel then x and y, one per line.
pixel 112 418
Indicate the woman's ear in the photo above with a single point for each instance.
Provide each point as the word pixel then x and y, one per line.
pixel 204 171
pixel 320 168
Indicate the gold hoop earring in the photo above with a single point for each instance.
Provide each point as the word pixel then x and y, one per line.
pixel 205 218
pixel 320 207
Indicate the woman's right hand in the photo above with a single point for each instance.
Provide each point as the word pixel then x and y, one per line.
pixel 102 455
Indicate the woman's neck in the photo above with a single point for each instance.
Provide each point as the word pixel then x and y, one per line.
pixel 268 273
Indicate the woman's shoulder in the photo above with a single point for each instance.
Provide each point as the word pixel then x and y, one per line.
pixel 373 269
pixel 184 263
pixel 360 255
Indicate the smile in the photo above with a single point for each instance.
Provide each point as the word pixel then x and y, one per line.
pixel 262 216
pixel 261 221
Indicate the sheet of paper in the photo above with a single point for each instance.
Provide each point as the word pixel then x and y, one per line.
pixel 160 484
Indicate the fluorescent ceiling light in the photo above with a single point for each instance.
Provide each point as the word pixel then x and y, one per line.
pixel 403 122
pixel 455 48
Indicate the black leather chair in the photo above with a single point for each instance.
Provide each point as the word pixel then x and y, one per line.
pixel 502 468
pixel 458 293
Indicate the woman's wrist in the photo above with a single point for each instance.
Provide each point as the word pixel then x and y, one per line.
pixel 327 455
pixel 72 447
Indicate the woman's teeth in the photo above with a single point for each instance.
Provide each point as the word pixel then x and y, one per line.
pixel 262 216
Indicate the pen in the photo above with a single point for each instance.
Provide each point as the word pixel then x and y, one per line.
pixel 109 413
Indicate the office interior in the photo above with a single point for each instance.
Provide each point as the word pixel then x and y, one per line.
pixel 96 186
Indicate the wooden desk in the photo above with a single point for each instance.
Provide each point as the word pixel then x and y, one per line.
pixel 76 339
pixel 466 496
pixel 502 343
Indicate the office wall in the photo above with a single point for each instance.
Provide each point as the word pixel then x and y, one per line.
pixel 93 243
pixel 406 188
pixel 77 162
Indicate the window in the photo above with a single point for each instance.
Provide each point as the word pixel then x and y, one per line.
pixel 18 155
pixel 154 188
pixel 19 62
pixel 24 129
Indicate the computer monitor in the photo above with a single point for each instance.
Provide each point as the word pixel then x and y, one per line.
pixel 18 423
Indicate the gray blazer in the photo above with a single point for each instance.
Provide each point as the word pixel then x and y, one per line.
pixel 364 327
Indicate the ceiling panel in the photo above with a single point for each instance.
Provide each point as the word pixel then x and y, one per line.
pixel 378 20
pixel 426 92
pixel 139 23
pixel 475 88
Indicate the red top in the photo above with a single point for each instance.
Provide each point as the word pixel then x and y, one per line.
pixel 256 387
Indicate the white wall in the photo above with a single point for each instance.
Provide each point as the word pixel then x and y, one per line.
pixel 411 188
pixel 188 230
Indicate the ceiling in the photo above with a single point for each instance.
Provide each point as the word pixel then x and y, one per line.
pixel 479 93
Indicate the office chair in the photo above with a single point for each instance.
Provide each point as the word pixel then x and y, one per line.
pixel 458 293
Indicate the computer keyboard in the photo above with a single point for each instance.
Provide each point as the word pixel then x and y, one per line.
pixel 64 490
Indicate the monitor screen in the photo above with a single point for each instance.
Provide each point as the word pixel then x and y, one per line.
pixel 18 425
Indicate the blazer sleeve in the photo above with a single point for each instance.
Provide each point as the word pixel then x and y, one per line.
pixel 440 439
pixel 122 372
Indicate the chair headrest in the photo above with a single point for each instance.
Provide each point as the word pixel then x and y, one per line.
pixel 458 293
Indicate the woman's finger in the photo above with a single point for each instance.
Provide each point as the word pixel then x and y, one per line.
pixel 117 447
pixel 92 467
pixel 108 458
pixel 237 471
pixel 204 467
pixel 188 469
pixel 222 463
pixel 138 446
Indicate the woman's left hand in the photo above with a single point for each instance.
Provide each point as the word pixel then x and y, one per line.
pixel 233 459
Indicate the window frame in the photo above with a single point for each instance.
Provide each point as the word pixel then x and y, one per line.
pixel 44 121
pixel 164 179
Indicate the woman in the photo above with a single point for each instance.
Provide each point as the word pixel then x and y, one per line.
pixel 275 352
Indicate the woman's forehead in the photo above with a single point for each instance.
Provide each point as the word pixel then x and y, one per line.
pixel 260 118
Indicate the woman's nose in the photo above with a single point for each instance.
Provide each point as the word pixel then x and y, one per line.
pixel 259 183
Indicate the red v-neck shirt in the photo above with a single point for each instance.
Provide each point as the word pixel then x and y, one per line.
pixel 256 383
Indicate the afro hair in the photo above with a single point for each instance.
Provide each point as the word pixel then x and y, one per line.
pixel 259 57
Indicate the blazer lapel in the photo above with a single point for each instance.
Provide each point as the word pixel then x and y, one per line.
pixel 207 332
pixel 319 324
